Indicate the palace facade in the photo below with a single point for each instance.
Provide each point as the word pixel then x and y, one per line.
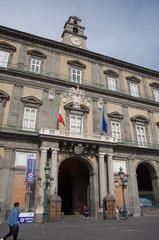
pixel 39 76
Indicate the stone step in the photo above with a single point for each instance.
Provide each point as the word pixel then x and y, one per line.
pixel 150 211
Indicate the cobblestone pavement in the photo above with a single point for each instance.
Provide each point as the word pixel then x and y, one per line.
pixel 143 228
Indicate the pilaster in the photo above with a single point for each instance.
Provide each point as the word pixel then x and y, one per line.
pixel 102 178
pixel 40 189
pixel 110 174
pixel 54 171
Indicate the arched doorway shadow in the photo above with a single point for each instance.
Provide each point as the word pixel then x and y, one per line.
pixel 74 185
pixel 147 182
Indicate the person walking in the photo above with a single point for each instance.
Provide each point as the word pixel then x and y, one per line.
pixel 13 223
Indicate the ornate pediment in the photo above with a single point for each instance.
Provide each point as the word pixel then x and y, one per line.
pixel 115 115
pixel 4 95
pixel 76 63
pixel 7 46
pixel 77 98
pixel 140 119
pixel 154 85
pixel 36 53
pixel 31 100
pixel 111 72
pixel 133 78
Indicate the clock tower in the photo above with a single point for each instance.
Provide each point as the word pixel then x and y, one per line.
pixel 73 33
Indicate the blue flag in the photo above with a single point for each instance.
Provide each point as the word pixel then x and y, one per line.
pixel 104 123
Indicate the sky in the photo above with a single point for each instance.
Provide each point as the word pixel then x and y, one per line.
pixel 123 29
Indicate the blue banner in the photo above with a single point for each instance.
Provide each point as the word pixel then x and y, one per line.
pixel 104 123
pixel 30 169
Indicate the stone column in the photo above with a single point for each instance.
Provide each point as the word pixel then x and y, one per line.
pixel 110 174
pixel 102 179
pixel 133 188
pixel 54 171
pixel 40 189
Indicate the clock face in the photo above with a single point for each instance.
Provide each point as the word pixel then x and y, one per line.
pixel 76 41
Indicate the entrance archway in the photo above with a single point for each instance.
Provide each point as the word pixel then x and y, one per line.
pixel 73 185
pixel 147 182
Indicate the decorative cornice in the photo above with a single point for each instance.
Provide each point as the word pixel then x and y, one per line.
pixel 12 33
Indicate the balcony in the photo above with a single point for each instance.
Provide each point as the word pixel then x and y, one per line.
pixel 23 69
pixel 59 134
pixel 69 135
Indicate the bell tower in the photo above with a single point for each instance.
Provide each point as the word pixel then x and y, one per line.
pixel 73 33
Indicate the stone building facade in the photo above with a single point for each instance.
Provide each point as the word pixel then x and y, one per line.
pixel 38 77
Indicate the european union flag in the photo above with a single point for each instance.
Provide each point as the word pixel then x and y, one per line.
pixel 104 123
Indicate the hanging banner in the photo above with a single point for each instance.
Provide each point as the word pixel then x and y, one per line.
pixel 30 169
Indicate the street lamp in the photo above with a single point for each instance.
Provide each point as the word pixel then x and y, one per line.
pixel 46 183
pixel 123 184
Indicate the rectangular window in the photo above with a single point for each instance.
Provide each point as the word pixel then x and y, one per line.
pixel 141 136
pixel 35 65
pixel 4 57
pixel 156 94
pixel 76 75
pixel 76 124
pixel 29 119
pixel 134 90
pixel 116 131
pixel 112 83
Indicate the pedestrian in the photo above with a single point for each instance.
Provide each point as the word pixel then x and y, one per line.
pixel 85 211
pixel 13 223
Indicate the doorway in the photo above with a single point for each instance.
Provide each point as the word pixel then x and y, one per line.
pixel 147 182
pixel 73 186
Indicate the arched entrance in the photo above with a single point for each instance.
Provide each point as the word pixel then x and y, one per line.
pixel 73 185
pixel 147 182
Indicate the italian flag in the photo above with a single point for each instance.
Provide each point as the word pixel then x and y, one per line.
pixel 59 117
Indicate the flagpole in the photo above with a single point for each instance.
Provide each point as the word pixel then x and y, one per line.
pixel 58 125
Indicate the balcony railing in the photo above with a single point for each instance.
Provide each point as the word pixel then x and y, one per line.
pixel 50 74
pixel 67 134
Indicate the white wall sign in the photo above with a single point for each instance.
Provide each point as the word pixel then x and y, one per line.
pixel 21 158
pixel 118 164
